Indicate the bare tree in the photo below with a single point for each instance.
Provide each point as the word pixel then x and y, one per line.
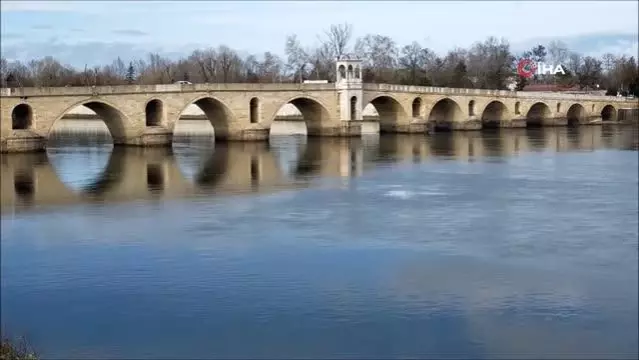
pixel 413 61
pixel 297 57
pixel 574 62
pixel 379 54
pixel 337 39
pixel 558 52
pixel 490 63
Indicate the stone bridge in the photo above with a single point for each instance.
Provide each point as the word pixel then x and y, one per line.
pixel 145 115
pixel 31 181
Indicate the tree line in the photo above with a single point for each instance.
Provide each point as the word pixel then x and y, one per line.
pixel 488 64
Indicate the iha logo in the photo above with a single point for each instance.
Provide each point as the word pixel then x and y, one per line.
pixel 528 68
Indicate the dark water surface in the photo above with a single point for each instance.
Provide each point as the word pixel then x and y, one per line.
pixel 519 244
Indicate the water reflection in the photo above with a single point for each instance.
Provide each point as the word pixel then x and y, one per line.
pixel 462 245
pixel 102 173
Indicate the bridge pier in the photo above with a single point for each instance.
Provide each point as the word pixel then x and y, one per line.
pixel 23 141
pixel 347 128
pixel 152 136
pixel 516 123
pixel 455 125
pixel 250 134
pixel 412 128
pixel 557 121
pixel 471 124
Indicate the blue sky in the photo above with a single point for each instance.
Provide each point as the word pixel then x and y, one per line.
pixel 96 32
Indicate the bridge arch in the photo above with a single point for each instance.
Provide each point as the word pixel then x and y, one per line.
pixel 254 110
pixel 389 110
pixel 471 108
pixel 608 113
pixel 494 113
pixel 417 107
pixel 217 112
pixel 21 117
pixel 537 114
pixel 445 112
pixel 154 112
pixel 314 112
pixel 576 114
pixel 113 118
pixel 353 108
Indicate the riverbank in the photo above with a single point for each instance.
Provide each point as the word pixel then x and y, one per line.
pixel 16 350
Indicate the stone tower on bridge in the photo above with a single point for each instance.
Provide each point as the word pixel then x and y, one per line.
pixel 349 87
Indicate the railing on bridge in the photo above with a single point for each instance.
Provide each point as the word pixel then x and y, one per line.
pixel 484 92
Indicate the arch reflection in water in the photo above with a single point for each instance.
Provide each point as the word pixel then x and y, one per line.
pixel 125 174
pixel 330 157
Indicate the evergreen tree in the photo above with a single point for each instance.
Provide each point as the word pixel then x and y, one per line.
pixel 130 74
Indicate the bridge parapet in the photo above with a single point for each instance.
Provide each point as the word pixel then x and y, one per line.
pixel 576 97
pixel 171 88
pixel 434 90
pixel 490 93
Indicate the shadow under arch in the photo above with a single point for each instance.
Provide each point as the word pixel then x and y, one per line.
pixel 154 112
pixel 494 114
pixel 216 111
pixel 314 113
pixel 112 117
pixel 390 112
pixel 444 113
pixel 416 107
pixel 537 114
pixel 21 117
pixel 576 114
pixel 608 113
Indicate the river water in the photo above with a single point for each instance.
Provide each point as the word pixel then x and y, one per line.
pixel 513 244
